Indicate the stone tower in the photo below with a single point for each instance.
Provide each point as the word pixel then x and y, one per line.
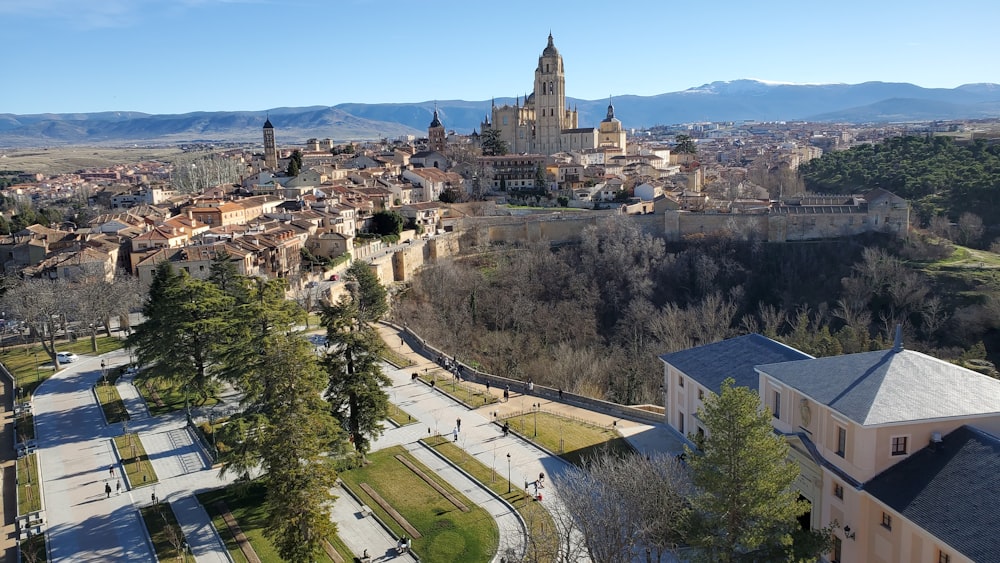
pixel 436 138
pixel 270 149
pixel 549 100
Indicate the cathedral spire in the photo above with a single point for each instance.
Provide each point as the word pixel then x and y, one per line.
pixel 611 108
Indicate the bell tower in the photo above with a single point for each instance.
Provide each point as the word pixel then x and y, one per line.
pixel 270 149
pixel 436 138
pixel 550 100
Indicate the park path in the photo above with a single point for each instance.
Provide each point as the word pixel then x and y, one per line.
pixel 75 454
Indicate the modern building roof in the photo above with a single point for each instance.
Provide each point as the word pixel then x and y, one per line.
pixel 711 364
pixel 949 490
pixel 887 386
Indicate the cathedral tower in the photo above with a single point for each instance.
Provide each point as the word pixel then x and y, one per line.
pixel 270 149
pixel 550 100
pixel 436 139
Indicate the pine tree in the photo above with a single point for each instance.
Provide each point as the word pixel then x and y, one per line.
pixel 746 508
pixel 370 298
pixel 355 389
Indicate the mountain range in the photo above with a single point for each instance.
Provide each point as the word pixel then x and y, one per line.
pixel 735 100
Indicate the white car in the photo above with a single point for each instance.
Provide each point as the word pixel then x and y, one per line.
pixel 66 357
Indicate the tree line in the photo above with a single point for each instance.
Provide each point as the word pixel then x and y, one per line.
pixel 592 318
pixel 301 410
pixel 939 176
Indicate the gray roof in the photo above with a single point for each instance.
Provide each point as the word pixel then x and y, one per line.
pixel 890 386
pixel 711 364
pixel 950 491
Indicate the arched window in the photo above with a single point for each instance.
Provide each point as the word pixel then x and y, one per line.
pixel 546 67
pixel 550 87
pixel 543 88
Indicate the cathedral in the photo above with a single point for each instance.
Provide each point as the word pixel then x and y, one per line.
pixel 542 123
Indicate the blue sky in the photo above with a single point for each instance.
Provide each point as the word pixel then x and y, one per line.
pixel 155 56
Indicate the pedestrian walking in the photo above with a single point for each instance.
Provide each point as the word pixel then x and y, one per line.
pixel 506 393
pixel 506 428
pixel 118 487
pixel 560 393
pixel 111 471
pixel 487 386
pixel 531 386
pixel 400 341
pixel 455 434
pixel 458 424
pixel 107 489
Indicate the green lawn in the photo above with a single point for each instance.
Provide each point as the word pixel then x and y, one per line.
pixel 33 550
pixel 134 460
pixel 25 428
pixel 448 534
pixel 111 403
pixel 470 395
pixel 399 416
pixel 165 533
pixel 28 495
pixel 573 440
pixel 170 395
pixel 494 478
pixel 30 365
pixel 250 511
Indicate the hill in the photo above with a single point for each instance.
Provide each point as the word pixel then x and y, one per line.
pixel 735 100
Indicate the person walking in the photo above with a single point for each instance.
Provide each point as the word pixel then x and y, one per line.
pixel 107 489
pixel 455 434
pixel 118 487
pixel 458 424
pixel 487 386
pixel 506 393
pixel 111 471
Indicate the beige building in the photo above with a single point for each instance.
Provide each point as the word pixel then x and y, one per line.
pixel 543 124
pixel 611 133
pixel 897 450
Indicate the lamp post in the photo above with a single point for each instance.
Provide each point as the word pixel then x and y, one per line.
pixel 104 372
pixel 36 367
pixel 508 473
pixel 535 406
pixel 93 337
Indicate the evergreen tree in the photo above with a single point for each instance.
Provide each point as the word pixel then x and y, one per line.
pixel 370 298
pixel 187 324
pixel 492 143
pixel 746 508
pixel 387 223
pixel 355 390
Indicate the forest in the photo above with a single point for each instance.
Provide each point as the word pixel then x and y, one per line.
pixel 936 174
pixel 592 318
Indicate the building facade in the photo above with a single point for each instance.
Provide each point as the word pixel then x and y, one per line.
pixel 542 124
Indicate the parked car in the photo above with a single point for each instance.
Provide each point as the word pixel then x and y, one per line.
pixel 66 357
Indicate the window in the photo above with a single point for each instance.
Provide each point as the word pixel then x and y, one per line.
pixel 837 550
pixel 838 491
pixel 701 394
pixel 680 422
pixel 943 557
pixel 680 381
pixel 886 521
pixel 841 441
pixel 899 445
pixel 777 404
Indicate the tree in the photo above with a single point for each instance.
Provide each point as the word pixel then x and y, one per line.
pixel 492 142
pixel 294 163
pixel 370 298
pixel 353 365
pixel 745 507
pixel 970 229
pixel 187 328
pixel 43 306
pixel 685 145
pixel 540 181
pixel 450 195
pixel 387 223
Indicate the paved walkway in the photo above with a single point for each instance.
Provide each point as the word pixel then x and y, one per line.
pixel 359 531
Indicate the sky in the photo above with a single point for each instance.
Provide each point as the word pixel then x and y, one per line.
pixel 159 57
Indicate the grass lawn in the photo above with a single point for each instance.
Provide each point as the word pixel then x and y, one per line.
pixel 34 549
pixel 25 428
pixel 534 514
pixel 28 497
pixel 30 365
pixel 573 440
pixel 470 395
pixel 134 459
pixel 399 416
pixel 249 509
pixel 448 534
pixel 111 403
pixel 165 533
pixel 395 358
pixel 170 395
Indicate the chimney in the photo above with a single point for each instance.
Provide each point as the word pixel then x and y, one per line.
pixel 935 441
pixel 897 345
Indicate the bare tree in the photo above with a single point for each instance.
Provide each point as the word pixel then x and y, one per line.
pixel 43 306
pixel 970 229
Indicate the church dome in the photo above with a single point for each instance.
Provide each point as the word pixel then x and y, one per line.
pixel 550 49
pixel 611 114
pixel 436 122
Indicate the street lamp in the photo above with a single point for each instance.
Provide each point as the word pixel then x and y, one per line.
pixel 36 367
pixel 508 473
pixel 93 337
pixel 535 406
